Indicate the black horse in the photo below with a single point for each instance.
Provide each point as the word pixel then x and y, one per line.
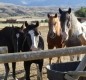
pixel 12 38
pixel 33 41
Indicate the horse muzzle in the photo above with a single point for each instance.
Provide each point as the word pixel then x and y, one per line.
pixel 33 48
pixel 64 36
pixel 52 35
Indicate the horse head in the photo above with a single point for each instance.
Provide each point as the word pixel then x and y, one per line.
pixel 65 23
pixel 32 35
pixel 54 25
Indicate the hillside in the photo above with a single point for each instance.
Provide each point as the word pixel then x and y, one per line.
pixel 15 10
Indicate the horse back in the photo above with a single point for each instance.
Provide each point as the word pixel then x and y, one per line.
pixel 6 38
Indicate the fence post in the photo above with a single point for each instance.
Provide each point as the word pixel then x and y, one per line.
pixel 3 49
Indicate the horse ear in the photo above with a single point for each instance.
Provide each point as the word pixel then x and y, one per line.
pixel 55 15
pixel 26 24
pixel 60 11
pixel 37 23
pixel 12 26
pixel 22 28
pixel 69 10
pixel 48 15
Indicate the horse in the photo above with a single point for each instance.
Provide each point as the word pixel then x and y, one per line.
pixel 11 37
pixel 82 36
pixel 32 42
pixel 54 37
pixel 71 30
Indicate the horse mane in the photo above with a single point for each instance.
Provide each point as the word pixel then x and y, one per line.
pixel 75 25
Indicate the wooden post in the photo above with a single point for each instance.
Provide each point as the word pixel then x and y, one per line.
pixel 3 50
pixel 33 55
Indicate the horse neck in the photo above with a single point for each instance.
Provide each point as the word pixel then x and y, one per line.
pixel 75 25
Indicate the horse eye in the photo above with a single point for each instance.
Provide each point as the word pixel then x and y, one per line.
pixel 68 24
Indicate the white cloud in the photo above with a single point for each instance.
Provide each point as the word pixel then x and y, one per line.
pixel 40 0
pixel 24 2
pixel 37 0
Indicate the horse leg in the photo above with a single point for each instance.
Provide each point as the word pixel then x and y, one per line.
pixel 27 69
pixel 59 58
pixel 50 60
pixel 39 70
pixel 13 68
pixel 50 47
pixel 6 70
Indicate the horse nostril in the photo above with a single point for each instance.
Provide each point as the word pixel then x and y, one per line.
pixel 33 48
pixel 64 36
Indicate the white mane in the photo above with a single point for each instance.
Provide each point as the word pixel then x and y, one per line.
pixel 84 27
pixel 76 26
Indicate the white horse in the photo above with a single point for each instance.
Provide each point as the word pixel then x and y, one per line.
pixel 73 32
pixel 82 36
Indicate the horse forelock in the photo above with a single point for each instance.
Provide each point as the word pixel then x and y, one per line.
pixel 58 28
pixel 56 23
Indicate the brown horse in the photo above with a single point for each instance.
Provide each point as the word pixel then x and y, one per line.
pixel 54 38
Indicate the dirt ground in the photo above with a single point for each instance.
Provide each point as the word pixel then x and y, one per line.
pixel 19 66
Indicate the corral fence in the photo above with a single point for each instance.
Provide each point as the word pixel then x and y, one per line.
pixel 33 55
pixel 81 19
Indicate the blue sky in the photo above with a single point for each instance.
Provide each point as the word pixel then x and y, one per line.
pixel 47 2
